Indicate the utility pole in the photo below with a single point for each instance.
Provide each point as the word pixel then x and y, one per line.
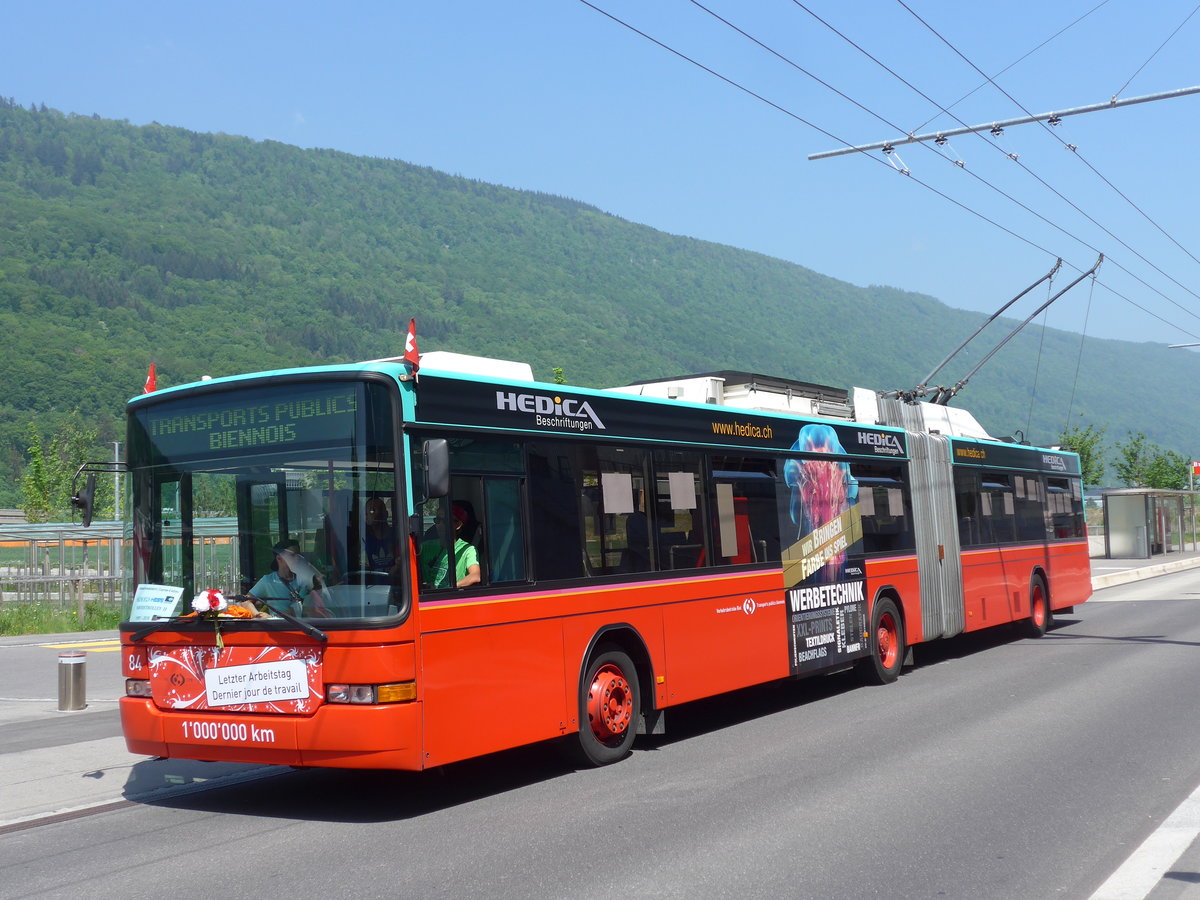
pixel 117 562
pixel 117 481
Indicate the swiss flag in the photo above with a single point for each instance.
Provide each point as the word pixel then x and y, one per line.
pixel 151 381
pixel 411 355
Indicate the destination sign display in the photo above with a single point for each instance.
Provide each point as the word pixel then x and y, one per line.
pixel 252 420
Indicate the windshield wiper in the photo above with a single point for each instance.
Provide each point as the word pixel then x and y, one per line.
pixel 161 623
pixel 307 628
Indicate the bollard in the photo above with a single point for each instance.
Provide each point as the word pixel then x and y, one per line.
pixel 72 680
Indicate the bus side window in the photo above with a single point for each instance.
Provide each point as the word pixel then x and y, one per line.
pixel 487 486
pixel 1064 508
pixel 678 505
pixel 998 506
pixel 884 508
pixel 966 501
pixel 745 511
pixel 625 529
pixel 555 514
pixel 502 538
pixel 618 524
pixel 1030 508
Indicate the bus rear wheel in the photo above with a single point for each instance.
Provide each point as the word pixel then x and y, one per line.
pixel 609 707
pixel 1038 622
pixel 887 645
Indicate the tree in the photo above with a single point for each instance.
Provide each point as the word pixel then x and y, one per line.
pixel 1133 460
pixel 46 483
pixel 36 489
pixel 1142 464
pixel 1169 470
pixel 1088 442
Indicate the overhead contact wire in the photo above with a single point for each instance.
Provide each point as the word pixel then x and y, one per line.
pixel 834 137
pixel 1024 167
pixel 1050 131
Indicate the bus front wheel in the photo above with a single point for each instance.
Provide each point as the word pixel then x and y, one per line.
pixel 887 645
pixel 609 707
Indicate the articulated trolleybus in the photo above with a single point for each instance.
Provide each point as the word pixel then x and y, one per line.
pixel 354 567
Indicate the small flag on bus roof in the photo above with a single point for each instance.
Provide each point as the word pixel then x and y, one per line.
pixel 151 381
pixel 411 356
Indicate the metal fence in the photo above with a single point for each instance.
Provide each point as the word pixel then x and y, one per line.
pixel 68 565
pixel 61 563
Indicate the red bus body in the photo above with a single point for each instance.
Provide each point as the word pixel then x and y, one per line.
pixel 451 674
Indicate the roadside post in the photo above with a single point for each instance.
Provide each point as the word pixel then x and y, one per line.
pixel 72 680
pixel 1192 488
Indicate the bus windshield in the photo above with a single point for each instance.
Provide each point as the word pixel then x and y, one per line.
pixel 284 498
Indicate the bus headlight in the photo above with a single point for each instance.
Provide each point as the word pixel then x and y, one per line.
pixel 137 687
pixel 401 692
pixel 350 693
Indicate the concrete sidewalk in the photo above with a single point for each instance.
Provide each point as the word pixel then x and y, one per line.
pixel 48 768
pixel 68 778
pixel 55 762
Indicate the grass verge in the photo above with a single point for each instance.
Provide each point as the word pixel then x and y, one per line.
pixel 47 618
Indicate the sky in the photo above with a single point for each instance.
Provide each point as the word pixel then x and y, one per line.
pixel 703 123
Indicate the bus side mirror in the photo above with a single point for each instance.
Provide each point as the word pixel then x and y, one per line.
pixel 436 453
pixel 83 500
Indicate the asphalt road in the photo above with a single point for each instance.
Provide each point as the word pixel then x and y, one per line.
pixel 998 767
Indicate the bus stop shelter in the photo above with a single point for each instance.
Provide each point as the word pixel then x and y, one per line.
pixel 1140 523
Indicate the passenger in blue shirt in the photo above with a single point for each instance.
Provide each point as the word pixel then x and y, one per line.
pixel 292 578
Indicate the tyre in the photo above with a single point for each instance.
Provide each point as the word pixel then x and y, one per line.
pixel 1038 622
pixel 887 645
pixel 610 705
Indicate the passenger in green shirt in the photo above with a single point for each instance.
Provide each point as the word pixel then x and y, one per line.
pixel 435 564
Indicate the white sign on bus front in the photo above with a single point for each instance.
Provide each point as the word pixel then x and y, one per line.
pixel 259 683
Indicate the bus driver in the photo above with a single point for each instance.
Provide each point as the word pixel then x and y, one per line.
pixel 293 578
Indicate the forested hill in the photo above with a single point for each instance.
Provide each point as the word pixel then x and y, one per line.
pixel 212 254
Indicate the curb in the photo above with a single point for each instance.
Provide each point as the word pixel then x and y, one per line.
pixel 52 783
pixel 1115 578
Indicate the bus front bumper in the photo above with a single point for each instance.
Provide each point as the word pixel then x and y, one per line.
pixel 346 737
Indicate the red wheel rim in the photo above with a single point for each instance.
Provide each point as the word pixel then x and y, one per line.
pixel 1038 613
pixel 887 638
pixel 609 703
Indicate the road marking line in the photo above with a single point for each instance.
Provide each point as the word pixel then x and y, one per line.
pixel 1145 867
pixel 94 646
